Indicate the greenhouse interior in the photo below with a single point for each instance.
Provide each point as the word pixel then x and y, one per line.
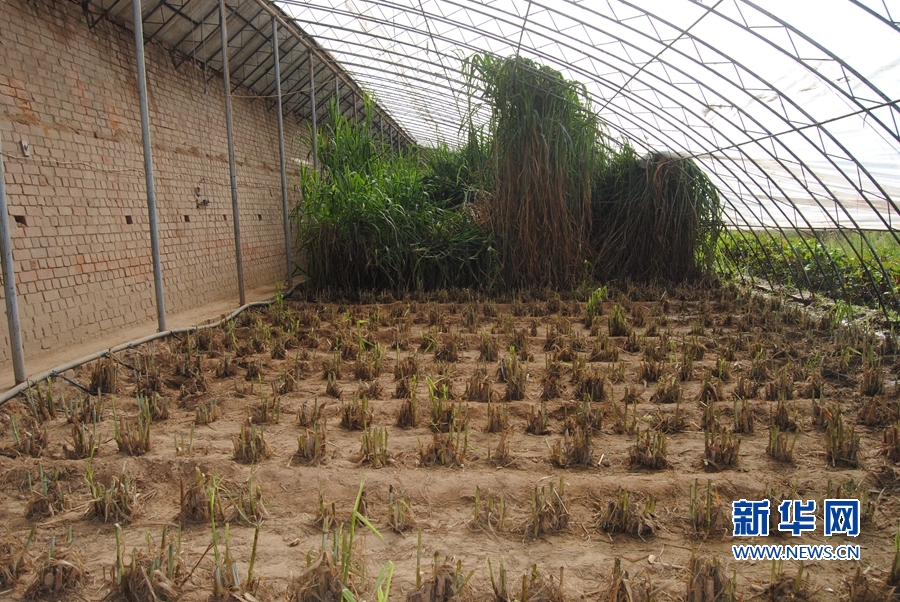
pixel 450 300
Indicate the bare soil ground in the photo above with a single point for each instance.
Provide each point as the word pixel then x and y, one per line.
pixel 719 351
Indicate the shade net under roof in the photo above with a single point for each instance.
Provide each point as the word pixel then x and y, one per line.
pixel 791 107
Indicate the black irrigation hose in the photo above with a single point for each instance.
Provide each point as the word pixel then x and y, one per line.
pixel 59 370
pixel 75 383
pixel 129 366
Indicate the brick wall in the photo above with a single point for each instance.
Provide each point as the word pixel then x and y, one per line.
pixel 77 205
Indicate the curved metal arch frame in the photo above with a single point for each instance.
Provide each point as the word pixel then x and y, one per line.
pixel 781 95
pixel 834 139
pixel 368 17
pixel 666 117
pixel 737 210
pixel 659 124
pixel 771 87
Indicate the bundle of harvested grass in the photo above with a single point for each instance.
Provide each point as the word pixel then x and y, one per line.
pixel 721 449
pixel 785 417
pixel 670 422
pixel 41 404
pixel 250 445
pixel 311 443
pixel 267 411
pixel 667 391
pixel 200 499
pixel 446 449
pixel 623 588
pixel 332 574
pixel 408 414
pixel 539 588
pixel 445 416
pixel 61 570
pixel 116 503
pixel 649 451
pixel 207 413
pixel 842 445
pixel 890 446
pixel 623 515
pixel 573 450
pixel 593 386
pixel 537 421
pixel 30 440
pixel 706 510
pixel 48 498
pixel 373 447
pixel 497 420
pixel 478 386
pixel 501 456
pixel 544 136
pixel 660 216
pixel 153 574
pixel 587 416
pixel 84 409
pixel 515 377
pixel 104 376
pixel 490 512
pixel 247 502
pixel 707 583
pixel 878 411
pixel 308 415
pixel 13 558
pixel 400 517
pixel 406 367
pixel 743 417
pixel 446 583
pixel 320 581
pixel 405 388
pixel 356 415
pixel 548 511
pixel 133 438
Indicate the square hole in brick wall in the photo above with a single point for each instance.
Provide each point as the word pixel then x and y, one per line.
pixel 259 216
pixel 20 219
pixel 187 218
pixel 224 218
pixel 129 220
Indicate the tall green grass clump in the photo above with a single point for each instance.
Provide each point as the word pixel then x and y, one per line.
pixel 367 220
pixel 454 177
pixel 543 133
pixel 656 217
pixel 528 200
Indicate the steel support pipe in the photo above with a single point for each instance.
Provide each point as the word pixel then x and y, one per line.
pixel 148 164
pixel 9 284
pixel 226 77
pixel 284 192
pixel 312 103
